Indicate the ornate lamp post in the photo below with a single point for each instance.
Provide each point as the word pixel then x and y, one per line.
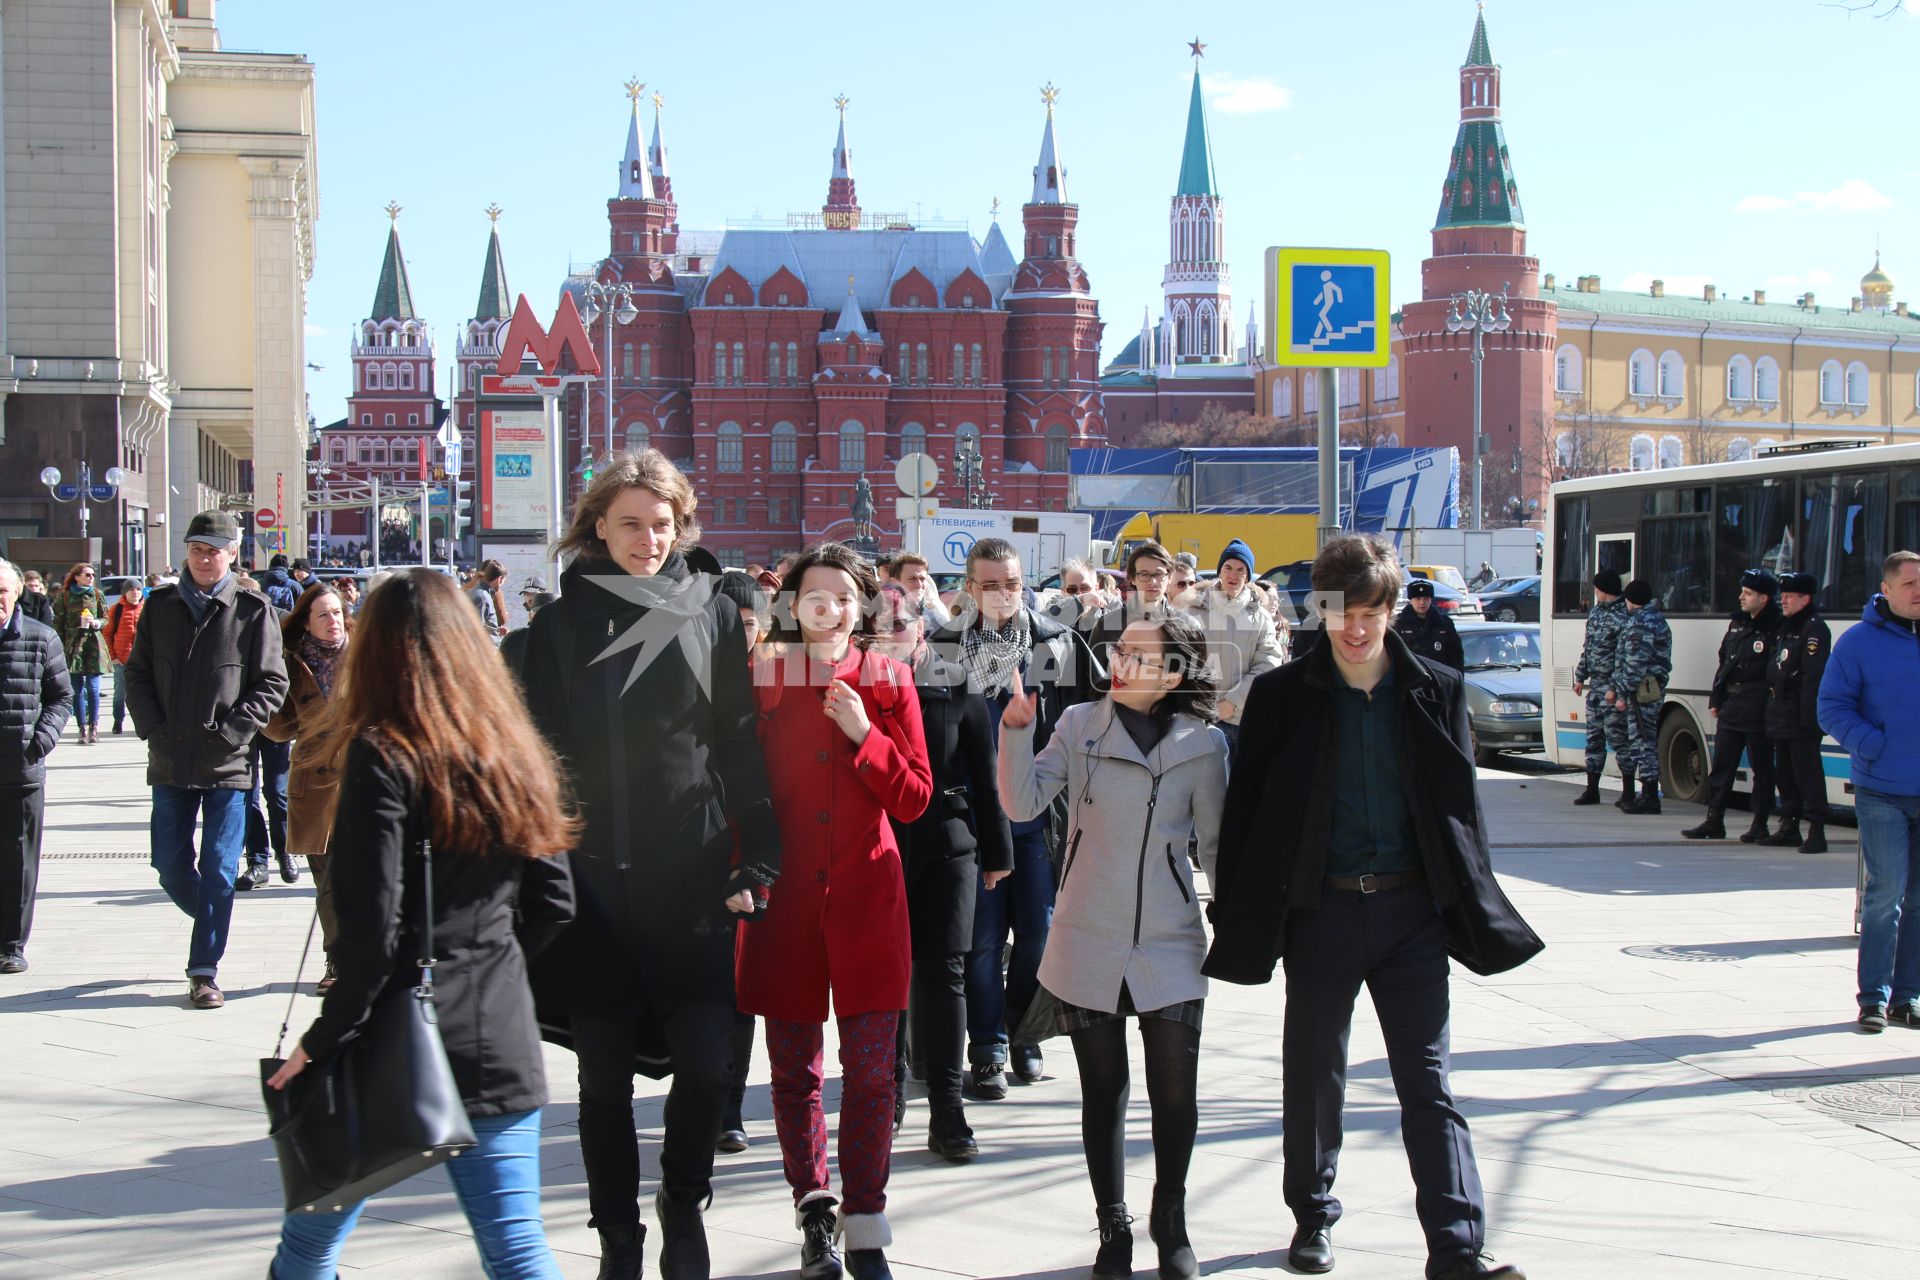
pixel 1479 312
pixel 617 302
pixel 84 490
pixel 969 470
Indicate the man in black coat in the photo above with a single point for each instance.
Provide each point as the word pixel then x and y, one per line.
pixel 1427 629
pixel 36 698
pixel 1354 847
pixel 1793 722
pixel 206 673
pixel 1738 703
pixel 962 843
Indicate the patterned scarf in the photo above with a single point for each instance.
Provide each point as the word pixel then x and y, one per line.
pixel 320 659
pixel 994 654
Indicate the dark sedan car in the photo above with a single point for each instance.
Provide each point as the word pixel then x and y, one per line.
pixel 1518 602
pixel 1503 687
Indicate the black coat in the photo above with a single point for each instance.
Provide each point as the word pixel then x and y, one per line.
pixel 489 912
pixel 1279 817
pixel 660 767
pixel 1739 691
pixel 37 605
pixel 199 691
pixel 1793 677
pixel 36 700
pixel 1432 637
pixel 964 815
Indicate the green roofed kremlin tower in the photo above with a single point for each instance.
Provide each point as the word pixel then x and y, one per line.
pixel 1197 288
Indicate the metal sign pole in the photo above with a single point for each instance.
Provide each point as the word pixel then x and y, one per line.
pixel 376 522
pixel 557 481
pixel 1329 458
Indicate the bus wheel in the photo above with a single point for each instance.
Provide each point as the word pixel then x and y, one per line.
pixel 1683 761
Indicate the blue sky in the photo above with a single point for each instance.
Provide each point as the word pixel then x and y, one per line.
pixel 1746 143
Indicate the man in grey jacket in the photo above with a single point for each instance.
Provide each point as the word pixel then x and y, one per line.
pixel 35 700
pixel 205 674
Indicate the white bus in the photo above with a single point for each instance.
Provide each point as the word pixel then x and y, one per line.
pixel 1833 509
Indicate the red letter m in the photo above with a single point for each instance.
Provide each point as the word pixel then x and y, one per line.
pixel 525 335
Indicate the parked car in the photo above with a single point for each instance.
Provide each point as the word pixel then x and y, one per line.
pixel 1503 687
pixel 1519 602
pixel 1449 590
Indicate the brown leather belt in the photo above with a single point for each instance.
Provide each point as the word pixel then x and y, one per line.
pixel 1377 884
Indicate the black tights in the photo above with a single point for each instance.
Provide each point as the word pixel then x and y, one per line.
pixel 1173 1085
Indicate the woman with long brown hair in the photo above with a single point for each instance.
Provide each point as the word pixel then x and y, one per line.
pixel 430 742
pixel 80 616
pixel 314 638
pixel 840 728
pixel 638 676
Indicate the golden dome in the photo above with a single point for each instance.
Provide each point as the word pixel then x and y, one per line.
pixel 1876 280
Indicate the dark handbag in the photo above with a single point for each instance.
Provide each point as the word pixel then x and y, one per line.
pixel 383 1108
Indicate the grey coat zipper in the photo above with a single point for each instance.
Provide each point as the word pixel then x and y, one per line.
pixel 1140 876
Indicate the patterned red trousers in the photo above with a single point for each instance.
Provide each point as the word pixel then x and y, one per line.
pixel 796 1051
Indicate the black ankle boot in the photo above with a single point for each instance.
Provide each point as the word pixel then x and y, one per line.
pixel 683 1238
pixel 868 1264
pixel 623 1252
pixel 818 1258
pixel 1592 794
pixel 1649 801
pixel 1757 833
pixel 1626 791
pixel 1714 828
pixel 1167 1227
pixel 1115 1259
pixel 1787 837
pixel 1816 841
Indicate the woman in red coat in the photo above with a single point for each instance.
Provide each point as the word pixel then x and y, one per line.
pixel 840 730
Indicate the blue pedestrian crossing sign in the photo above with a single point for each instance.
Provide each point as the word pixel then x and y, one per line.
pixel 1331 308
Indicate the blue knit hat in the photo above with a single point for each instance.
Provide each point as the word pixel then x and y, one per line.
pixel 1238 550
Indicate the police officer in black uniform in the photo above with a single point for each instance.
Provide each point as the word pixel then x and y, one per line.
pixel 1793 688
pixel 1427 629
pixel 1739 705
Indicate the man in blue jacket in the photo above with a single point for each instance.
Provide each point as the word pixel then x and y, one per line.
pixel 1866 703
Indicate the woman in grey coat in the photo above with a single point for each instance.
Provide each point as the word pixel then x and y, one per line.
pixel 1145 771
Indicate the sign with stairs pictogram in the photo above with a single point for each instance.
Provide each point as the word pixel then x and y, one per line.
pixel 1331 307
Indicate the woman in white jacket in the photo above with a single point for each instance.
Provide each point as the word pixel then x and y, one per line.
pixel 1145 771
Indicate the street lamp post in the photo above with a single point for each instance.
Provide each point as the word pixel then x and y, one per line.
pixel 1479 312
pixel 317 472
pixel 84 490
pixel 617 302
pixel 969 469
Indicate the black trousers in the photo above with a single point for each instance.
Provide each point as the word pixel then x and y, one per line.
pixel 21 811
pixel 1394 944
pixel 1797 771
pixel 742 1062
pixel 699 1036
pixel 1728 746
pixel 940 901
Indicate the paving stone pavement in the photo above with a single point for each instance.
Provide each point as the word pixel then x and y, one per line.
pixel 1672 1091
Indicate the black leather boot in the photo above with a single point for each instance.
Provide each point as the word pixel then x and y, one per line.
pixel 1816 841
pixel 868 1264
pixel 1626 791
pixel 1757 833
pixel 1167 1226
pixel 1714 828
pixel 683 1238
pixel 1115 1259
pixel 1787 837
pixel 819 1260
pixel 623 1252
pixel 1649 801
pixel 950 1137
pixel 1592 794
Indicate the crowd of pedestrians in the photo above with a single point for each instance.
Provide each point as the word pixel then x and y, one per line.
pixel 677 812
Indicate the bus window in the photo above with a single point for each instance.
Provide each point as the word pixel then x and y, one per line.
pixel 1677 561
pixel 1572 536
pixel 1753 530
pixel 1844 526
pixel 1906 509
pixel 1614 551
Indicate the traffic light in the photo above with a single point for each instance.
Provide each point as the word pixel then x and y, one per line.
pixel 586 469
pixel 462 508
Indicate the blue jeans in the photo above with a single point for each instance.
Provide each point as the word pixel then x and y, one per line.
pixel 267 800
pixel 1890 911
pixel 86 701
pixel 1024 901
pixel 498 1183
pixel 119 695
pixel 201 886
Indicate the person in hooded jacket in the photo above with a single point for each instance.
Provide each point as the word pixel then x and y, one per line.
pixel 638 676
pixel 1793 714
pixel 1738 703
pixel 1427 629
pixel 962 841
pixel 122 621
pixel 278 586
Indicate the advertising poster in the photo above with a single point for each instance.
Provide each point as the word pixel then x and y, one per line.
pixel 523 561
pixel 515 488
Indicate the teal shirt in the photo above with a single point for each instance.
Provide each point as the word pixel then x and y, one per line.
pixel 1372 830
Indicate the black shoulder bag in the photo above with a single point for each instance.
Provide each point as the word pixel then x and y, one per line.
pixel 383 1108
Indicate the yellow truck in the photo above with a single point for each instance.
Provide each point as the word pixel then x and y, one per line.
pixel 1274 539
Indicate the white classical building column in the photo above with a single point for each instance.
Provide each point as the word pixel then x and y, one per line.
pixel 282 262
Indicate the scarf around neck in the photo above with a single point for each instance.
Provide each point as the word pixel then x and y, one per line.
pixel 321 659
pixel 994 654
pixel 199 599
